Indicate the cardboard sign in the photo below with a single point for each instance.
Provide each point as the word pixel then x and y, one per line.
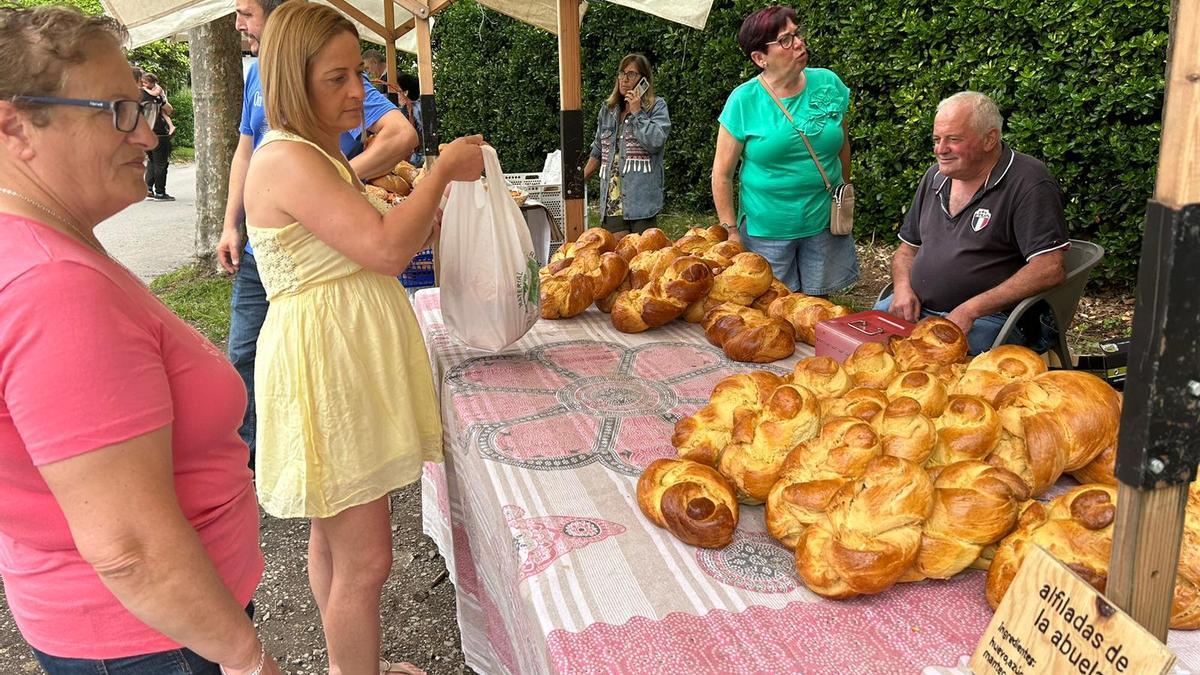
pixel 1051 621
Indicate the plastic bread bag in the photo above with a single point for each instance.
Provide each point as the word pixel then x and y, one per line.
pixel 489 273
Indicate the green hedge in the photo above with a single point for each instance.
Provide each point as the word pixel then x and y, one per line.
pixel 1080 83
pixel 183 117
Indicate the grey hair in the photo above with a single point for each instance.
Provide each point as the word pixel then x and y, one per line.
pixel 985 115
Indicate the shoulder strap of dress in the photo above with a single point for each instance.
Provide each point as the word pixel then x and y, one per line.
pixel 279 135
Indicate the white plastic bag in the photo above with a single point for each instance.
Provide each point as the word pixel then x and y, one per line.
pixel 489 271
pixel 552 168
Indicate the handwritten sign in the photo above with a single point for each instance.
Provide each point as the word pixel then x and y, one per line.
pixel 1051 621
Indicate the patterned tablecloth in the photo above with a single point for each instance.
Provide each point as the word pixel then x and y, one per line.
pixel 556 569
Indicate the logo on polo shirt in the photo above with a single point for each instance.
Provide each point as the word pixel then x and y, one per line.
pixel 981 219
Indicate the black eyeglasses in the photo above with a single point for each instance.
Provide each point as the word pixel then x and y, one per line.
pixel 788 40
pixel 125 112
pixel 630 75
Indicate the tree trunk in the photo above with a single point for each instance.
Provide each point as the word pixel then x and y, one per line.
pixel 217 95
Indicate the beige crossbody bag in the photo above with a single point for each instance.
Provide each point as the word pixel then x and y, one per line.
pixel 841 208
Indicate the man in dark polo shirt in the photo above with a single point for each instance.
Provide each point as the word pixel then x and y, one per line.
pixel 985 230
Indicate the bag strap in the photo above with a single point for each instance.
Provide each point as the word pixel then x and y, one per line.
pixel 811 153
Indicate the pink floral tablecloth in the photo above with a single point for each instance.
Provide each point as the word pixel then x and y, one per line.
pixel 557 571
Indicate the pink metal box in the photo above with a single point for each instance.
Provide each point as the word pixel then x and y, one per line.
pixel 838 338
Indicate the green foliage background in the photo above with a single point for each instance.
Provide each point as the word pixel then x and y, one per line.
pixel 1080 83
pixel 184 118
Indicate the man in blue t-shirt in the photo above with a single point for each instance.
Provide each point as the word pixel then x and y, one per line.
pixel 394 139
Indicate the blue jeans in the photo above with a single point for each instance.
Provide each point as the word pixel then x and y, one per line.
pixel 174 662
pixel 816 265
pixel 249 311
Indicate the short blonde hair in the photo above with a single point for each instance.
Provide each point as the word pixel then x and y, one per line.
pixel 296 32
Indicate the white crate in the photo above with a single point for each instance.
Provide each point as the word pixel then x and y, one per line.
pixel 549 195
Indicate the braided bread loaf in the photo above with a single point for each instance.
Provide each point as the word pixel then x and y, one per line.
pixel 992 370
pixel 922 387
pixel 703 436
pixel 861 402
pixel 653 239
pixel 934 342
pixel 760 443
pixel 969 428
pixel 871 365
pixel 697 240
pixel 814 471
pixel 776 290
pixel 748 335
pixel 651 264
pixel 904 431
pixel 805 312
pixel 823 375
pixel 1086 408
pixel 596 238
pixel 690 500
pixel 573 283
pixel 974 505
pixel 664 298
pixel 870 536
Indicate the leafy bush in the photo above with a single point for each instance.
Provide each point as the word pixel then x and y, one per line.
pixel 1080 84
pixel 183 118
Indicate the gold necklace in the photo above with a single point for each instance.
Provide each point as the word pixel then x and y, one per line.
pixel 61 221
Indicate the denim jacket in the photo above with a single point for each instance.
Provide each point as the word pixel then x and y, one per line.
pixel 641 167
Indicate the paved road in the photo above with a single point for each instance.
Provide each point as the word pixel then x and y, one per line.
pixel 153 238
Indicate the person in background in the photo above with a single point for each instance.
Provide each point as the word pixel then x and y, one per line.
pixel 986 230
pixel 128 527
pixel 782 210
pixel 164 128
pixel 631 134
pixel 394 139
pixel 409 95
pixel 346 405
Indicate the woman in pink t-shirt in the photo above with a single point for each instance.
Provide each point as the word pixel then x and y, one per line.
pixel 128 527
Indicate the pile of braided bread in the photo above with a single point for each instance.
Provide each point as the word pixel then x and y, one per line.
pixel 646 281
pixel 908 462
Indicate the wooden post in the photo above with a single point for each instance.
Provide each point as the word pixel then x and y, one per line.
pixel 1160 424
pixel 571 117
pixel 429 133
pixel 389 40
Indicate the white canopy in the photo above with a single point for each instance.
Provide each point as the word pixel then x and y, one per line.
pixel 150 20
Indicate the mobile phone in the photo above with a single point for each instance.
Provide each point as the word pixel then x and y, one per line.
pixel 641 88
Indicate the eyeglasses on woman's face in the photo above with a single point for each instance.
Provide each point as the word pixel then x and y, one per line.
pixel 125 112
pixel 630 75
pixel 789 40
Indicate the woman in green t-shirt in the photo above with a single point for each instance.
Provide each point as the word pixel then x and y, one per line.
pixel 782 210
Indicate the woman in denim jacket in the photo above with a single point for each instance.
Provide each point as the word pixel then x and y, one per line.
pixel 631 132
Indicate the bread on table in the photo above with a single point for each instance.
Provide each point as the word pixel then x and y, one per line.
pixel 748 277
pixel 905 431
pixel 861 402
pixel 1086 407
pixel 760 443
pixel 1099 470
pixel 574 283
pixel 991 371
pixel 871 365
pixel 1075 527
pixel 748 335
pixel 1034 449
pixel 691 501
pixel 804 312
pixel 703 436
pixel 664 298
pixel 814 471
pixel 871 534
pixel 934 342
pixel 776 290
pixel 653 239
pixel 968 428
pixel 605 304
pixel 823 375
pixel 721 255
pixel 923 387
pixel 596 238
pixel 650 265
pixel 974 505
pixel 697 240
pixel 407 171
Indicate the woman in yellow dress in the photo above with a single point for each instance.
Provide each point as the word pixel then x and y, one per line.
pixel 345 396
